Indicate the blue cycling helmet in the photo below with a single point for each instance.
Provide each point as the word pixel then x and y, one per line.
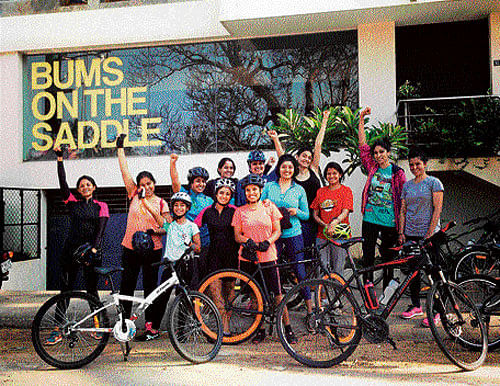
pixel 253 179
pixel 197 172
pixel 256 155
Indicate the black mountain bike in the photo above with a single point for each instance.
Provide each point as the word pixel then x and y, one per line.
pixel 248 302
pixel 343 314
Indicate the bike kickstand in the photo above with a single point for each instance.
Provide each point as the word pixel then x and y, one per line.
pixel 125 350
pixel 392 343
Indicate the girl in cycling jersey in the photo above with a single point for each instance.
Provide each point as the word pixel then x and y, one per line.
pixel 331 207
pixel 223 249
pixel 197 182
pixel 88 218
pixel 256 228
pixel 140 221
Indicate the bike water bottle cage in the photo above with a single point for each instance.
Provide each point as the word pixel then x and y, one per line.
pixel 197 172
pixel 256 155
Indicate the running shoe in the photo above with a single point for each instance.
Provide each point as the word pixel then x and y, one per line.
pixel 290 337
pixel 54 338
pixel 310 323
pixel 425 322
pixel 259 337
pixel 411 312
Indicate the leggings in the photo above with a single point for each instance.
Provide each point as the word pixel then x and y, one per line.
pixel 132 262
pixel 287 251
pixel 70 270
pixel 388 237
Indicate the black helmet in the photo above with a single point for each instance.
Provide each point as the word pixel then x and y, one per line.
pixel 253 179
pixel 224 183
pixel 197 172
pixel 83 255
pixel 142 242
pixel 256 155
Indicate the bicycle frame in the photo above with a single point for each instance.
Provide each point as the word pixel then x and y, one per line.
pixel 144 303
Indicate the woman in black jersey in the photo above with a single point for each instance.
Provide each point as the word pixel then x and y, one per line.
pixel 223 249
pixel 308 174
pixel 88 218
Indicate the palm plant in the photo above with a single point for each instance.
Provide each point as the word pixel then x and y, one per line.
pixel 298 131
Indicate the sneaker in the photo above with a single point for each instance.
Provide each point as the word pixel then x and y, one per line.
pixel 411 312
pixel 310 323
pixel 259 337
pixel 149 334
pixel 425 322
pixel 290 337
pixel 54 338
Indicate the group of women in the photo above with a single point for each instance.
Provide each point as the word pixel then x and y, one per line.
pixel 277 214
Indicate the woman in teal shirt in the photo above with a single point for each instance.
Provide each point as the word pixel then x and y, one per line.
pixel 286 193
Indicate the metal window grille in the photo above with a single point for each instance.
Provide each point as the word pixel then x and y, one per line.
pixel 20 225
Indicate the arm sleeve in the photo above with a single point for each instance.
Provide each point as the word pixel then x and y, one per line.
pixel 366 157
pixel 63 185
pixel 303 210
pixel 100 231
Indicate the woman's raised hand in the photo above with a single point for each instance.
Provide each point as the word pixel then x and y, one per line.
pixel 272 134
pixel 58 151
pixel 366 111
pixel 173 158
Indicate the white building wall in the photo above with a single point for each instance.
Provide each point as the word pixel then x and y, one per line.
pixel 495 51
pixel 377 70
pixel 170 23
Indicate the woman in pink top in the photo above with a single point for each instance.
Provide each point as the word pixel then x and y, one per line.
pixel 257 227
pixel 139 221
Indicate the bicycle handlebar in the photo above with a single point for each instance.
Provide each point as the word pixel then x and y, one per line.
pixel 479 219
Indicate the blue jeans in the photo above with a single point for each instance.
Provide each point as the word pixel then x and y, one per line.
pixel 287 251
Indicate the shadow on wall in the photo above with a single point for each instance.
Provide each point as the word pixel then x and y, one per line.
pixel 466 197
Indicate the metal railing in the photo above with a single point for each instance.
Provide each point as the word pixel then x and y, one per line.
pixel 421 115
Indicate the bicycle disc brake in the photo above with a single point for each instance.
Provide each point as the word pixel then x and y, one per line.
pixel 375 329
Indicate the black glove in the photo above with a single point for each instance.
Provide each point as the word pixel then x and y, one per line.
pixel 59 153
pixel 150 231
pixel 250 245
pixel 119 141
pixel 263 246
pixel 249 254
pixel 95 258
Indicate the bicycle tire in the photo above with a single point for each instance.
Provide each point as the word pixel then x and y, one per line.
pixel 245 310
pixel 288 281
pixel 195 329
pixel 476 262
pixel 76 348
pixel 465 343
pixel 335 316
pixel 479 288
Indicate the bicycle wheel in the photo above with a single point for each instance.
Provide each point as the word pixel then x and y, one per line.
pixel 288 281
pixel 456 325
pixel 242 308
pixel 195 327
pixel 331 334
pixel 480 288
pixel 57 338
pixel 477 262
